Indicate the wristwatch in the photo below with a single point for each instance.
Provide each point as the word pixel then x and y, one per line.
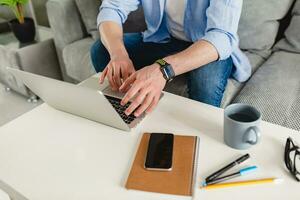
pixel 166 69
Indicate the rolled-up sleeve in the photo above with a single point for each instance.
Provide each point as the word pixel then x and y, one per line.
pixel 116 10
pixel 222 25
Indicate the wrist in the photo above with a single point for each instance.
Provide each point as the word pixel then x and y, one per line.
pixel 157 71
pixel 120 52
pixel 166 69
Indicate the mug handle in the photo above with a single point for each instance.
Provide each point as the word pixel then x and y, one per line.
pixel 249 135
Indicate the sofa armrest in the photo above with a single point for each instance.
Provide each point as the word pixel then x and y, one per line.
pixel 45 62
pixel 65 21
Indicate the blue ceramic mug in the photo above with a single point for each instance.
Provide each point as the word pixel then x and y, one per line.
pixel 241 126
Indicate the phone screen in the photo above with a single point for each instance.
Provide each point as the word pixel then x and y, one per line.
pixel 160 152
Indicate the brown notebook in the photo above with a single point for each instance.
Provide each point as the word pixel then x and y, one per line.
pixel 179 181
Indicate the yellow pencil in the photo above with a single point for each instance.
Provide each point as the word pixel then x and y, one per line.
pixel 244 183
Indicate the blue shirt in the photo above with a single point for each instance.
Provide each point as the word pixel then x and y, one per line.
pixel 215 21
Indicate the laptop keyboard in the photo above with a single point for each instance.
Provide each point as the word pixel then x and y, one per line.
pixel 116 103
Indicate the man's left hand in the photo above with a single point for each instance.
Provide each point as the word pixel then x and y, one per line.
pixel 145 87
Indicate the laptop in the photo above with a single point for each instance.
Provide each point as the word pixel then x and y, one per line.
pixel 85 100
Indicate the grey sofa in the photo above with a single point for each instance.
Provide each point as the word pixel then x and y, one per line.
pixel 39 58
pixel 262 25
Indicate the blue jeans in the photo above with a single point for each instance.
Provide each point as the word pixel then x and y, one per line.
pixel 205 84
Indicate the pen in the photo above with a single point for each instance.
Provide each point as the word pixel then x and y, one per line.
pixel 227 167
pixel 244 183
pixel 231 176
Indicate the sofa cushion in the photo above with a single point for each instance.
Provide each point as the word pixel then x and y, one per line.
pixel 291 42
pixel 88 10
pixel 275 90
pixel 39 7
pixel 234 87
pixel 259 23
pixel 77 59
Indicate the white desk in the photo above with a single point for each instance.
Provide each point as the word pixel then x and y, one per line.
pixel 50 155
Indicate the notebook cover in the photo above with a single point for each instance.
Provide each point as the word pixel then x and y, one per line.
pixel 179 181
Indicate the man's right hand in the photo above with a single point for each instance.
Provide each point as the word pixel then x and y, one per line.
pixel 120 66
pixel 117 71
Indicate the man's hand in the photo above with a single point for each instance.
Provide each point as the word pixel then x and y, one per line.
pixel 118 70
pixel 145 86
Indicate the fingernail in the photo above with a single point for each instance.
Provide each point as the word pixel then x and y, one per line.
pixel 136 114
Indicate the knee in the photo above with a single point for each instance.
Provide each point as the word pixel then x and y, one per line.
pixel 99 56
pixel 209 91
pixel 207 84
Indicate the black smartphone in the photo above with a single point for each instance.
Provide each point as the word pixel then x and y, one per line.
pixel 160 152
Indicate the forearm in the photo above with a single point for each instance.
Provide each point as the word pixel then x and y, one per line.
pixel 112 38
pixel 197 55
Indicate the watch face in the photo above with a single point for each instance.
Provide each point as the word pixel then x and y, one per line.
pixel 165 73
pixel 169 71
